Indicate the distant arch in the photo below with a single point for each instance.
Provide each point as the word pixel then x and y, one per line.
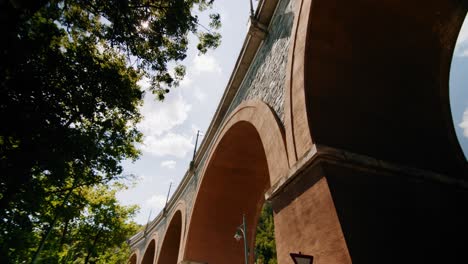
pixel 182 207
pixel 170 247
pixel 247 156
pixel 133 258
pixel 148 257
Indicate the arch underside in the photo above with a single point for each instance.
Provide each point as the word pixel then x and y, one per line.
pixel 169 252
pixel 148 257
pixel 377 80
pixel 234 184
pixel 133 259
pixel 373 78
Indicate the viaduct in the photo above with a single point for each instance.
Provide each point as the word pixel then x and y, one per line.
pixel 338 113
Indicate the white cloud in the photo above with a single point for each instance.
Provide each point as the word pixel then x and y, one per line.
pixel 156 202
pixel 146 179
pixel 170 144
pixel 187 81
pixel 464 123
pixel 170 164
pixel 464 53
pixel 199 94
pixel 205 64
pixel 160 117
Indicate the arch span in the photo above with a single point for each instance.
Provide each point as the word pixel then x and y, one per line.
pixel 148 257
pixel 133 258
pixel 169 253
pixel 247 156
pixel 270 131
pixel 372 78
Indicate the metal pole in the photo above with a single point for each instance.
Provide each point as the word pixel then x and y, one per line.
pixel 196 142
pixel 251 9
pixel 167 199
pixel 147 223
pixel 244 227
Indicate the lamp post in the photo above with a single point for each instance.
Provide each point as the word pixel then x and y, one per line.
pixel 241 232
pixel 301 258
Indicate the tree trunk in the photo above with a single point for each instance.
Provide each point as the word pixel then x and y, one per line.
pixel 49 229
pixel 92 246
pixel 64 233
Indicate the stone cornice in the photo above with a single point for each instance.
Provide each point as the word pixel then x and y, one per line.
pixel 320 154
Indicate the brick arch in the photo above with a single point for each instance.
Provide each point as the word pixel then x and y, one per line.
pixel 134 257
pixel 298 137
pixel 247 156
pixel 372 78
pixel 150 252
pixel 172 241
pixel 181 207
pixel 271 132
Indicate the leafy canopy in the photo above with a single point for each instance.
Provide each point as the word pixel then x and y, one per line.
pixel 69 99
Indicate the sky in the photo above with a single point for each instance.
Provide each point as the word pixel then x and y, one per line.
pixel 458 84
pixel 170 127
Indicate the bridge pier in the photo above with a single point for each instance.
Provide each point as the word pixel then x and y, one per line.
pixel 377 211
pixel 305 215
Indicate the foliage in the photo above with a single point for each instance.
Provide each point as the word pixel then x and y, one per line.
pixel 69 100
pixel 265 247
pixel 96 233
pixel 99 232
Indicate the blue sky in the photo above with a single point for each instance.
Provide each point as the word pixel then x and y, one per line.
pixel 170 126
pixel 459 88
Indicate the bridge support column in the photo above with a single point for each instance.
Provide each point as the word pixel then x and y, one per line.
pixel 305 217
pixel 342 207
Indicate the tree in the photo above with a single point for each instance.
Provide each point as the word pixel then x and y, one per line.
pixel 100 233
pixel 265 246
pixel 69 97
pixel 96 233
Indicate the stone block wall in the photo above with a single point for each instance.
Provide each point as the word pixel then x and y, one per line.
pixel 267 74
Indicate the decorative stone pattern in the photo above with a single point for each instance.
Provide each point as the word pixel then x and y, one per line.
pixel 266 76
